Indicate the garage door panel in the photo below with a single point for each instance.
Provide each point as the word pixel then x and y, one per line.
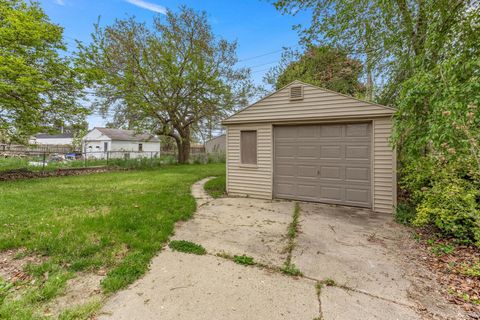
pixel 308 172
pixel 358 130
pixel 357 152
pixel 285 151
pixel 286 132
pixel 306 152
pixel 330 172
pixel 324 163
pixel 307 190
pixel 285 189
pixel 307 132
pixel 331 152
pixel 331 193
pixel 357 174
pixel 331 131
pixel 287 170
pixel 357 195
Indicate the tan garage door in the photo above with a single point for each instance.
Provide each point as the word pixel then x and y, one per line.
pixel 324 163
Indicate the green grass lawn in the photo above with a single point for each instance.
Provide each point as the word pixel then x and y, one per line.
pixel 115 221
pixel 216 187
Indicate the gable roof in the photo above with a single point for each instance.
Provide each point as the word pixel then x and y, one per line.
pixel 317 104
pixel 127 135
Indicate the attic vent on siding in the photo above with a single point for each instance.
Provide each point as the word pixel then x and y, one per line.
pixel 296 93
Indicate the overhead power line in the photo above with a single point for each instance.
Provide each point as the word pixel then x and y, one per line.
pixel 266 54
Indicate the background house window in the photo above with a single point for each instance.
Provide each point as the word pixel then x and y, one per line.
pixel 248 147
pixel 140 147
pixel 105 146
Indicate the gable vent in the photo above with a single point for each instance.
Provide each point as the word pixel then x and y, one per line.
pixel 296 93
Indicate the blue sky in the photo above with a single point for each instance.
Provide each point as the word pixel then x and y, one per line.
pixel 259 29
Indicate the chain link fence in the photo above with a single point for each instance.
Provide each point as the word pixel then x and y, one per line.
pixel 43 159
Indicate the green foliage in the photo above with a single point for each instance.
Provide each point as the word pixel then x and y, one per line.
pixel 472 270
pixel 451 203
pixel 395 39
pixel 328 282
pixel 441 249
pixel 291 269
pixel 82 312
pixel 244 259
pixel 187 247
pixel 113 221
pixel 404 213
pixel 38 88
pixel 323 66
pixel 166 79
pixel 216 187
pixel 217 157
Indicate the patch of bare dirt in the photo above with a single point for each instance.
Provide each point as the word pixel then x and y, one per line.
pixel 82 289
pixel 27 174
pixel 13 262
pixel 435 286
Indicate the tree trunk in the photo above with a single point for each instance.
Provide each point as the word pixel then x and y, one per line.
pixel 183 146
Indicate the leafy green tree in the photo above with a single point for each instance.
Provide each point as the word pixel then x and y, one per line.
pixel 324 66
pixel 37 85
pixel 165 79
pixel 393 38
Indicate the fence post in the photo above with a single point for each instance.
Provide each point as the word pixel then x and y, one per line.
pixel 85 159
pixel 107 157
pixel 44 158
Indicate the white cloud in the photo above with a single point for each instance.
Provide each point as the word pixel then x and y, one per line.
pixel 60 2
pixel 147 5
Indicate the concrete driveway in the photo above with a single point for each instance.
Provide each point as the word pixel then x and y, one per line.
pixel 352 260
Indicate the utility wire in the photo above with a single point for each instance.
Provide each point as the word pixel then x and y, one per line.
pixel 263 55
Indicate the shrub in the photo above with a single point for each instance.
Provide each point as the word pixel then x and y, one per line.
pixel 404 213
pixel 451 203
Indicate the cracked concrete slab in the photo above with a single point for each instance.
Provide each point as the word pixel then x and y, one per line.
pixel 184 286
pixel 239 226
pixel 340 304
pixel 354 247
pixel 359 249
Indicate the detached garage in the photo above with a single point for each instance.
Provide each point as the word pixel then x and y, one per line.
pixel 308 143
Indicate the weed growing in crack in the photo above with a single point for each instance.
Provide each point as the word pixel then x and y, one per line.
pixel 187 247
pixel 325 283
pixel 244 259
pixel 291 269
pixel 292 232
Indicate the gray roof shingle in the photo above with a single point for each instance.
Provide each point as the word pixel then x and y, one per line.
pixel 127 135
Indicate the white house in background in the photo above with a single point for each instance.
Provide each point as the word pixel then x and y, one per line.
pixel 216 145
pixel 118 143
pixel 52 139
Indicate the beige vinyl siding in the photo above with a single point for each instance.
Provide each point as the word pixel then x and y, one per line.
pixel 317 104
pixel 384 167
pixel 247 179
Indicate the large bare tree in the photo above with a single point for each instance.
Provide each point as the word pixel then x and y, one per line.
pixel 166 78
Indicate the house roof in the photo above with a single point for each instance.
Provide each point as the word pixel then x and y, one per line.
pixel 317 104
pixel 54 136
pixel 127 135
pixel 219 136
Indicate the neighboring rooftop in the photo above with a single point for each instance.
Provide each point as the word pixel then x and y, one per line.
pixel 127 135
pixel 54 136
